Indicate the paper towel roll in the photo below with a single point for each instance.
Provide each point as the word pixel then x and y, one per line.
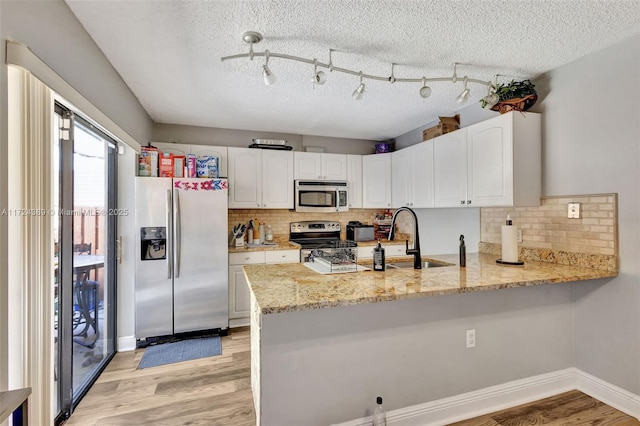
pixel 509 243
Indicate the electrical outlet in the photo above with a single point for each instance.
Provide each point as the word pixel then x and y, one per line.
pixel 574 211
pixel 471 338
pixel 519 235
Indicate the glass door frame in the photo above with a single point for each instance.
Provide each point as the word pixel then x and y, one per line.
pixel 67 396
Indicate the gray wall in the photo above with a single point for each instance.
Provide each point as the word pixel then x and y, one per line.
pixel 53 33
pixel 409 351
pixel 242 138
pixel 591 144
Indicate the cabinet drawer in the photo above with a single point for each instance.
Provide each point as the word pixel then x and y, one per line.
pixel 365 252
pixel 283 256
pixel 246 258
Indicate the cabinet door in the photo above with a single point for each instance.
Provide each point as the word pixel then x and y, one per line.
pixel 354 178
pixel 421 178
pixel 173 148
pixel 239 294
pixel 376 181
pixel 307 165
pixel 401 180
pixel 245 178
pixel 334 167
pixel 277 179
pixel 490 159
pixel 217 151
pixel 450 169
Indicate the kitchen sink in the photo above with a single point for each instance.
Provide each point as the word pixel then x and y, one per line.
pixel 409 265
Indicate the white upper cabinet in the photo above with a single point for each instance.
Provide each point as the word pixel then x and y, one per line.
pixel 493 163
pixel 504 157
pixel 354 178
pixel 320 166
pixel 217 151
pixel 173 148
pixel 245 178
pixel 260 179
pixel 184 149
pixel 277 179
pixel 376 181
pixel 450 169
pixel 412 176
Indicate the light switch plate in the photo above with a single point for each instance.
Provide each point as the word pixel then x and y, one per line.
pixel 574 211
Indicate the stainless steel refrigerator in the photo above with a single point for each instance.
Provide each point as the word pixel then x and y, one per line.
pixel 182 262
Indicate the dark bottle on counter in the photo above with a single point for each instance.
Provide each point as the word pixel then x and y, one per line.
pixel 463 252
pixel 379 415
pixel 378 258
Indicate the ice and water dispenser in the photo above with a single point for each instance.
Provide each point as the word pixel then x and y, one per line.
pixel 153 243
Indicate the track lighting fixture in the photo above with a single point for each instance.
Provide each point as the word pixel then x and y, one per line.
pixel 269 77
pixel 425 91
pixel 319 77
pixel 358 94
pixel 464 96
pixel 492 97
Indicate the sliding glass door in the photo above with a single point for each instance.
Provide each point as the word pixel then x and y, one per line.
pixel 85 252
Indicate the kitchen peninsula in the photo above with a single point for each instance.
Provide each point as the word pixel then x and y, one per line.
pixel 323 347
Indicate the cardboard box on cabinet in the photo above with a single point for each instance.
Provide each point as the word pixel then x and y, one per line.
pixel 446 125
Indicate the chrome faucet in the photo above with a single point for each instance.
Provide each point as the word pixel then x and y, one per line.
pixel 415 251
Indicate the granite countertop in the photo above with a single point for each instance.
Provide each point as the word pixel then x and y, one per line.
pixel 294 287
pixel 282 242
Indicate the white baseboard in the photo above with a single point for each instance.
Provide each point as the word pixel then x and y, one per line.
pixel 126 343
pixel 612 395
pixel 510 394
pixel 239 322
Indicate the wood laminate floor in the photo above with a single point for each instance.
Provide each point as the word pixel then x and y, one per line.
pixel 217 391
pixel 206 391
pixel 571 408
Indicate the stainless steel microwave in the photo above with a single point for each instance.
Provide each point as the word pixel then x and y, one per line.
pixel 321 196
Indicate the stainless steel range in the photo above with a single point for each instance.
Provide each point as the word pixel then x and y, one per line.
pixel 321 247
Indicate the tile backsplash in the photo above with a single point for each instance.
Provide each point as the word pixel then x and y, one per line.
pixel 279 219
pixel 547 226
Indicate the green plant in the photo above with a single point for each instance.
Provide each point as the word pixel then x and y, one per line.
pixel 511 90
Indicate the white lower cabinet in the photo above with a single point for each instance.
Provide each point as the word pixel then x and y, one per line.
pixel 239 292
pixel 390 250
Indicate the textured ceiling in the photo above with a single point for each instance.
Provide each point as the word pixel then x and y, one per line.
pixel 168 53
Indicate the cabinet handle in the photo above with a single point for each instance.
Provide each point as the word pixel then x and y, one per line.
pixel 258 204
pixel 462 202
pixel 468 201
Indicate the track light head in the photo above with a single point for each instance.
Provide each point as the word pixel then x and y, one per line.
pixel 358 94
pixel 425 91
pixel 464 96
pixel 319 77
pixel 269 77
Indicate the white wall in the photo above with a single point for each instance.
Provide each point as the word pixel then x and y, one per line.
pixel 591 144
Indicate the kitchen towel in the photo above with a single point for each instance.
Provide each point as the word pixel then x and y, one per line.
pixel 184 350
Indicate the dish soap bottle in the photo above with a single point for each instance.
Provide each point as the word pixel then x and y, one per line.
pixel 378 257
pixel 268 234
pixel 379 415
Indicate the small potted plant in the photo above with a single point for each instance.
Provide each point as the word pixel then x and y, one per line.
pixel 512 96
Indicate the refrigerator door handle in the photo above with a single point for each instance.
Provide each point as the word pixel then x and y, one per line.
pixel 169 235
pixel 177 234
